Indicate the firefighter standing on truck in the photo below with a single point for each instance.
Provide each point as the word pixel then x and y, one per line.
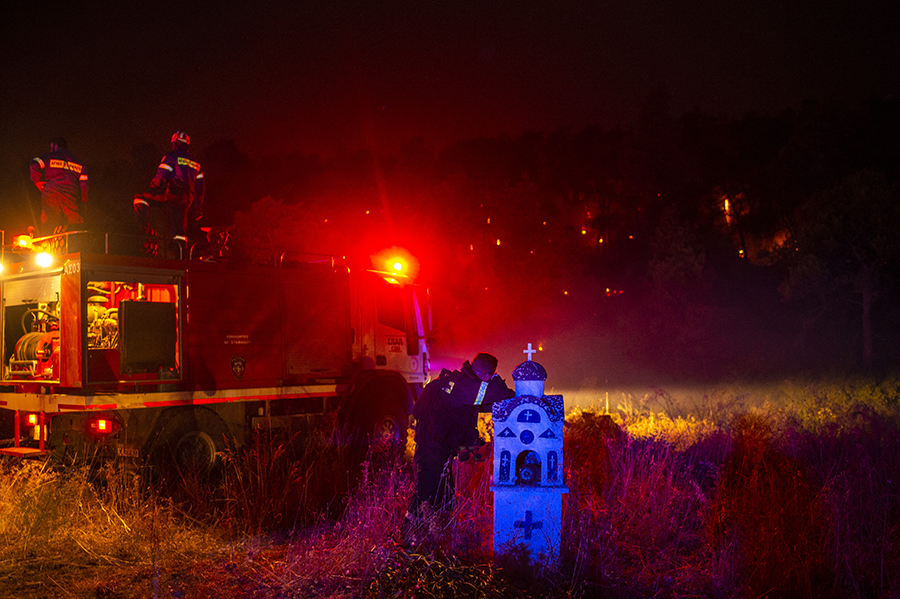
pixel 63 182
pixel 178 187
pixel 446 421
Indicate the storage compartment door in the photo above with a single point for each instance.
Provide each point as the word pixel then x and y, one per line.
pixel 147 336
pixel 317 335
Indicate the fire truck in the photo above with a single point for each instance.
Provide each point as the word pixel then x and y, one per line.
pixel 109 355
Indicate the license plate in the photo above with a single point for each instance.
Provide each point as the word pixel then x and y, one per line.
pixel 125 451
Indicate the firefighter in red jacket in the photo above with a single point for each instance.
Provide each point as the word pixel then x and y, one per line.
pixel 63 182
pixel 178 187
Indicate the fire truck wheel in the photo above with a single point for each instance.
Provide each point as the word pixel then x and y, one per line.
pixel 191 439
pixel 387 430
pixel 196 452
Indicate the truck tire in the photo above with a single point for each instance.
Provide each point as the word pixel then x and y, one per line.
pixel 387 429
pixel 189 440
pixel 376 416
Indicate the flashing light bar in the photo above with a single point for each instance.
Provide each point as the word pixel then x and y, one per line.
pixel 23 241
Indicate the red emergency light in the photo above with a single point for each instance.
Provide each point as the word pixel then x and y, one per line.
pixel 396 261
pixel 36 427
pixel 102 426
pixel 23 241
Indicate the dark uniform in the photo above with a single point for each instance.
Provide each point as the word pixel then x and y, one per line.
pixel 447 419
pixel 178 187
pixel 63 182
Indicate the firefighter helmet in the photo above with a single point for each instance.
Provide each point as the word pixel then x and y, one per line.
pixel 182 137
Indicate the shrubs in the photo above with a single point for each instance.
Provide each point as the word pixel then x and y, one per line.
pixel 767 509
pixel 797 502
pixel 638 528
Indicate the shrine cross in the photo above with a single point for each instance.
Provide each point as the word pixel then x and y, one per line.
pixel 529 351
pixel 528 524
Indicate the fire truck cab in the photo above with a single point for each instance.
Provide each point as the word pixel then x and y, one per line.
pixel 111 355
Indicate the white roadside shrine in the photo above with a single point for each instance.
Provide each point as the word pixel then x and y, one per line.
pixel 528 481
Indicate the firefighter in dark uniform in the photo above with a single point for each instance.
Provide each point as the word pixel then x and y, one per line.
pixel 446 421
pixel 63 182
pixel 177 187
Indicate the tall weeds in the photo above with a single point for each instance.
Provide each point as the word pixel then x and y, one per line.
pixel 638 526
pixel 284 481
pixel 797 500
pixel 55 526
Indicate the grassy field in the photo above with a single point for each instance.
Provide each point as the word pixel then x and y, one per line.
pixel 800 498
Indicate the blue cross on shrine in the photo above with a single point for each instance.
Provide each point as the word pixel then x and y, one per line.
pixel 528 524
pixel 529 351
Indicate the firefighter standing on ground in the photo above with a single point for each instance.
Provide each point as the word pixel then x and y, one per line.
pixel 446 420
pixel 63 182
pixel 178 186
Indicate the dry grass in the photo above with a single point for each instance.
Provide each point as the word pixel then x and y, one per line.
pixel 798 500
pixel 59 530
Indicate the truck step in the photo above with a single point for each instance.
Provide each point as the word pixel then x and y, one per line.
pixel 23 452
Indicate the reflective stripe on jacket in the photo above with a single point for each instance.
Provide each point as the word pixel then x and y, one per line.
pixel 180 178
pixel 59 175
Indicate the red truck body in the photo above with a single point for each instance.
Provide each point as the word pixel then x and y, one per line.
pixel 123 355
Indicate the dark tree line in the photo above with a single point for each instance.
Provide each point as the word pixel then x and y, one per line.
pixel 704 246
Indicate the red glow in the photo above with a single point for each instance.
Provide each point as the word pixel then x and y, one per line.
pixel 102 426
pixel 397 261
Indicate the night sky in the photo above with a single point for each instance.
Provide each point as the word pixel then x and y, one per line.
pixel 320 77
pixel 332 77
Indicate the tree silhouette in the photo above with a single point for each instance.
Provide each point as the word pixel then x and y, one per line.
pixel 845 247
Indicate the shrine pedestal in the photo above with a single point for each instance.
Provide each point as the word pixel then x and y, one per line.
pixel 530 517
